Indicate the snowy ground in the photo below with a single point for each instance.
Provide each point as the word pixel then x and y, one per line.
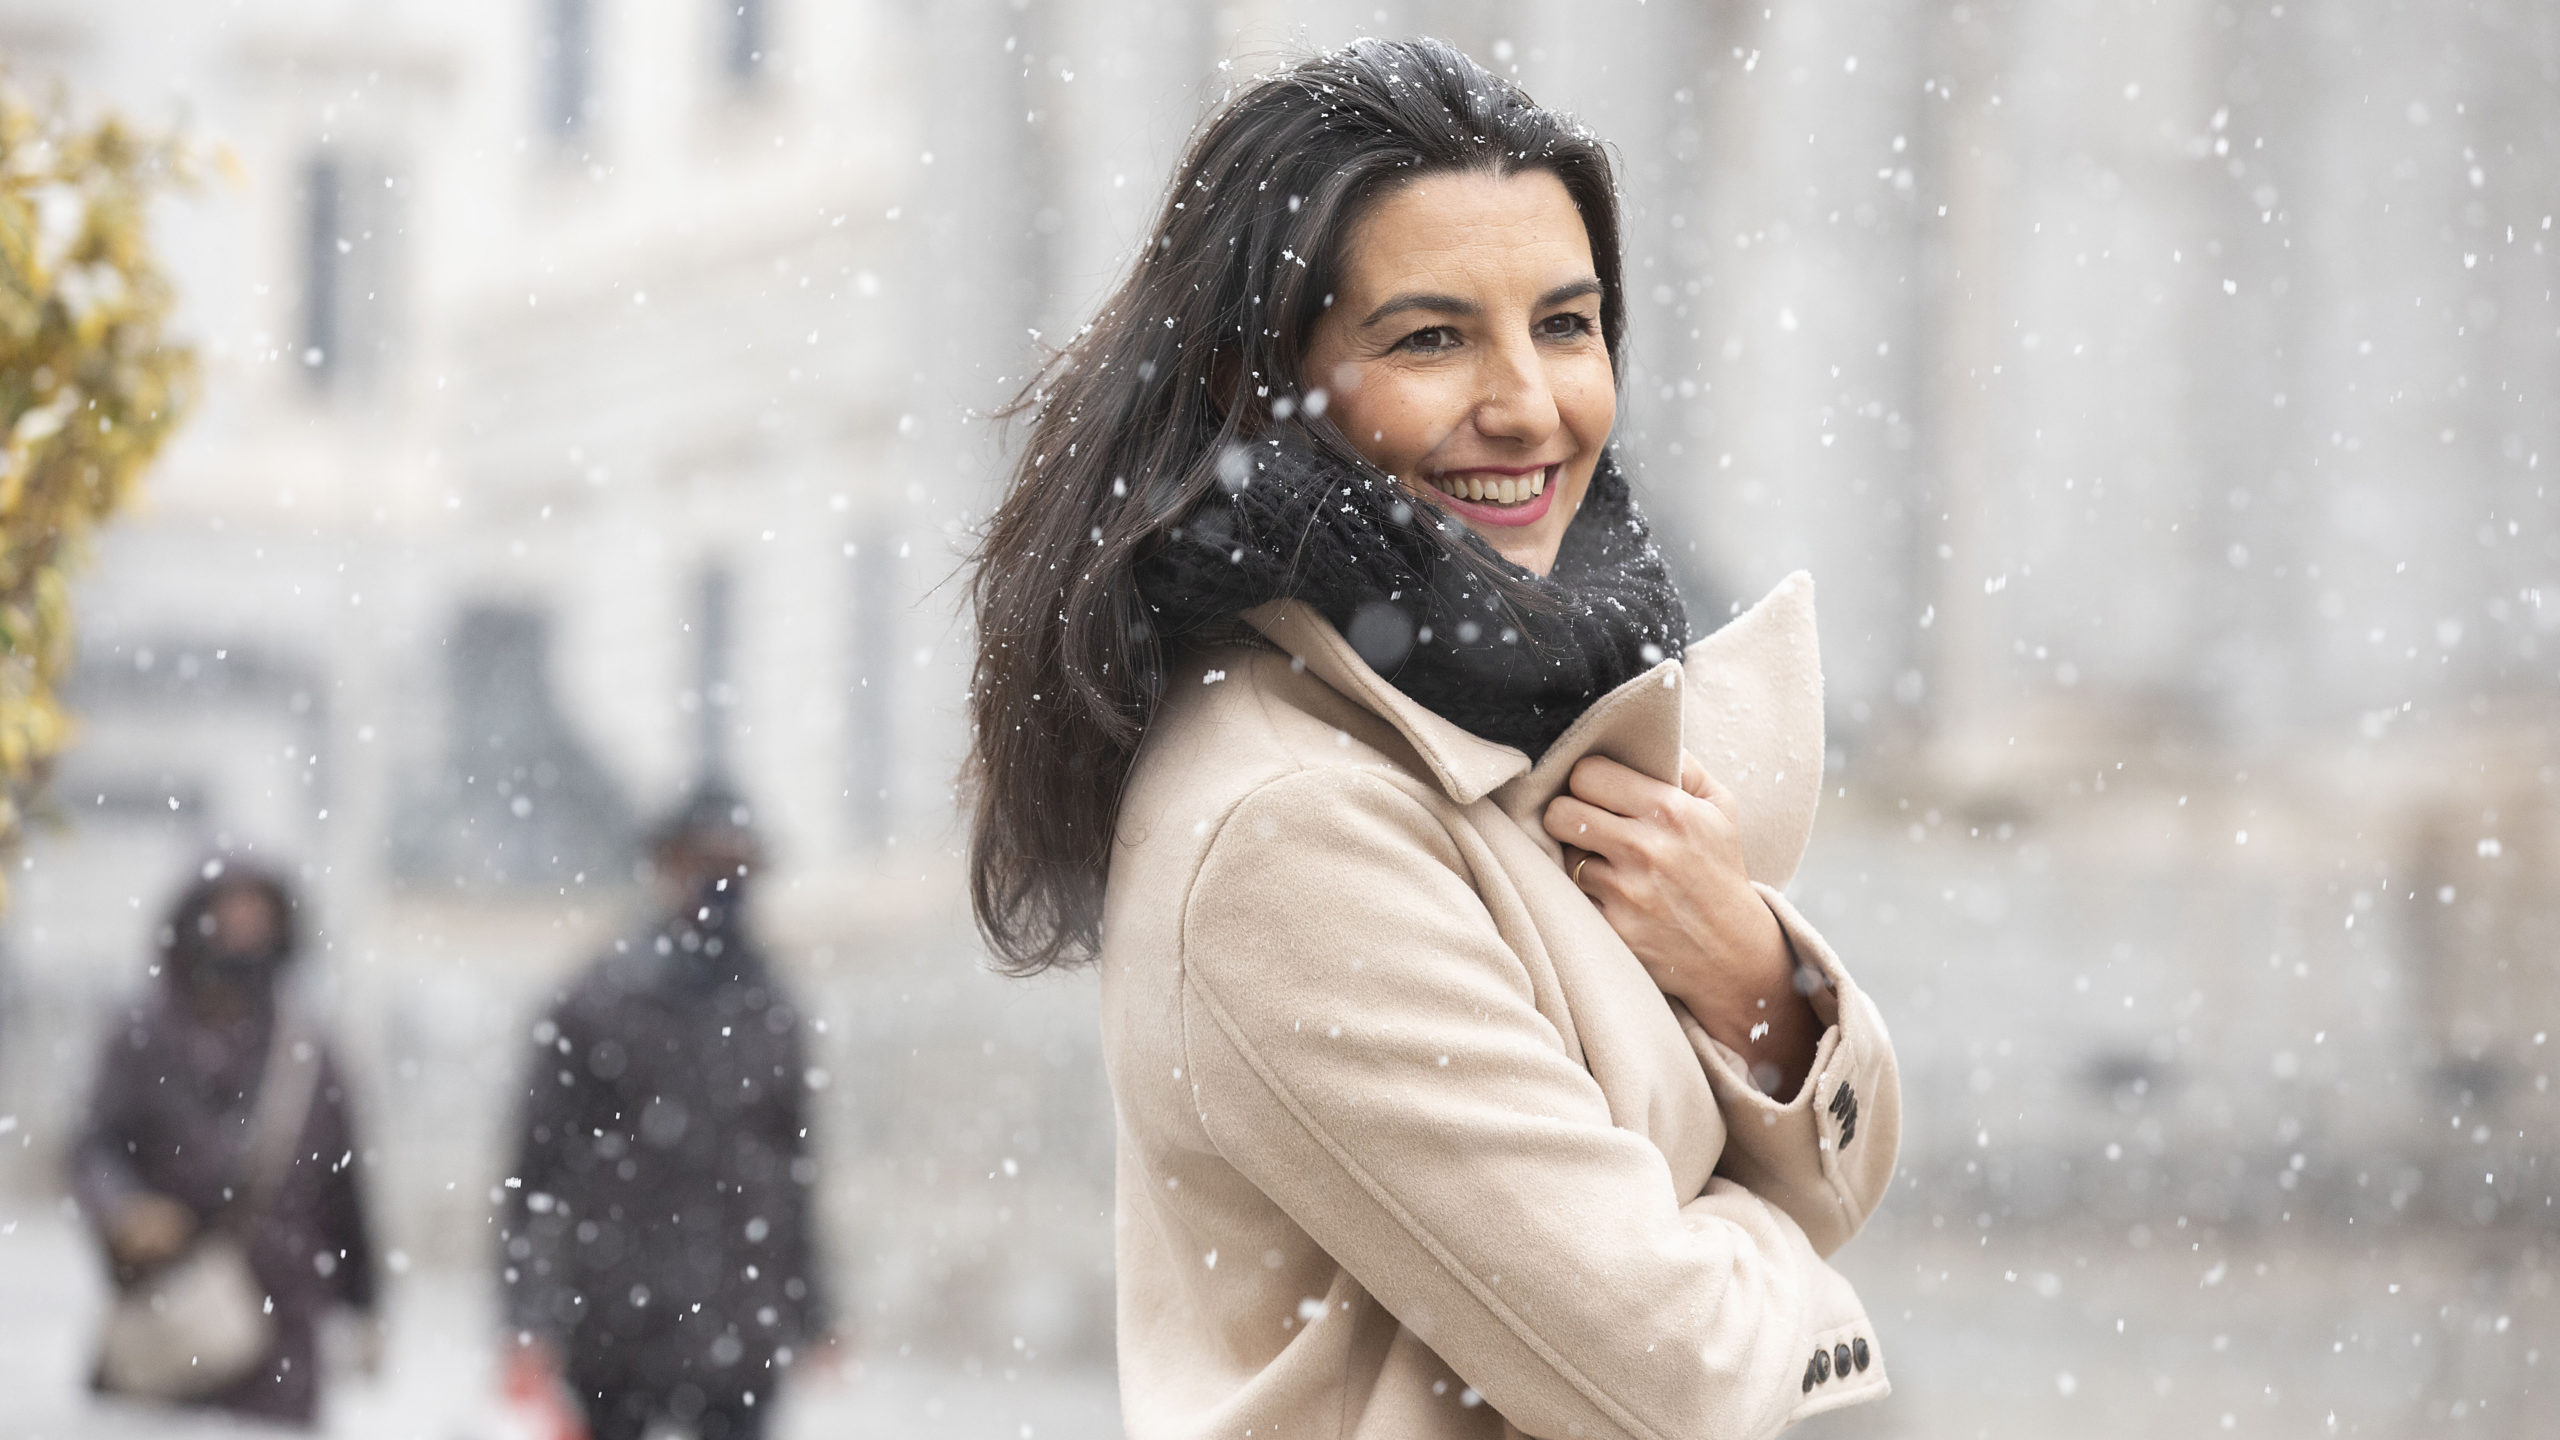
pixel 438 1384
pixel 2078 1330
pixel 2039 1333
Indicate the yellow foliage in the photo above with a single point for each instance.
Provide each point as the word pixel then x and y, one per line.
pixel 90 388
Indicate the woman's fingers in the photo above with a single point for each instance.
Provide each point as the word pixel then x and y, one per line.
pixel 1606 884
pixel 1695 779
pixel 1586 826
pixel 1579 862
pixel 1604 782
pixel 1641 834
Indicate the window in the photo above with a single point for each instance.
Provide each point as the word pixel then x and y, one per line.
pixel 519 797
pixel 567 53
pixel 350 228
pixel 323 202
pixel 744 24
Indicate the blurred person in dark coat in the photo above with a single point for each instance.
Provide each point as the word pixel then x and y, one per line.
pixel 657 1249
pixel 164 1144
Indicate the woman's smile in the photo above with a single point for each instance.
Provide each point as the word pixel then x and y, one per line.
pixel 1497 495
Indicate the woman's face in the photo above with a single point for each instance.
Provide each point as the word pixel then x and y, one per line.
pixel 1462 353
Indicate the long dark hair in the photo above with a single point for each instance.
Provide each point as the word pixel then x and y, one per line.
pixel 1197 350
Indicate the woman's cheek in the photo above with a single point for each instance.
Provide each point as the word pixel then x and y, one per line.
pixel 1341 383
pixel 1396 416
pixel 1591 399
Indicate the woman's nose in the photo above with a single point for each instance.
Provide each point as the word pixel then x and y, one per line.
pixel 1517 404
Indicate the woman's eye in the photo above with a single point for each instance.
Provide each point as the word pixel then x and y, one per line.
pixel 1566 326
pixel 1437 337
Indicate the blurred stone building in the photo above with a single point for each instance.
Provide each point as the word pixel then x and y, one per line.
pixel 2163 397
pixel 568 433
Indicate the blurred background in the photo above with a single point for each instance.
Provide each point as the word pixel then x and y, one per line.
pixel 2164 395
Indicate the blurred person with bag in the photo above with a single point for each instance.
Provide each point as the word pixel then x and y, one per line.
pixel 658 1253
pixel 217 1167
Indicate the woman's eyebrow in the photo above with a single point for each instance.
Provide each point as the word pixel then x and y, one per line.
pixel 1570 290
pixel 1396 305
pixel 1453 305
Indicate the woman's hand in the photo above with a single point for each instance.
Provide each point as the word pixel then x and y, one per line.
pixel 1664 864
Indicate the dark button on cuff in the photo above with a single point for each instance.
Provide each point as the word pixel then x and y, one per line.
pixel 1808 1376
pixel 1858 1352
pixel 1821 1366
pixel 1840 1359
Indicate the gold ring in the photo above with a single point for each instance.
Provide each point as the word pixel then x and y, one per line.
pixel 1577 871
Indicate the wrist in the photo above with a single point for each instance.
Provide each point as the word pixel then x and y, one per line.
pixel 1763 1010
pixel 1745 975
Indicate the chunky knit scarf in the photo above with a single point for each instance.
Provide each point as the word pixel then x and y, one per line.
pixel 1505 654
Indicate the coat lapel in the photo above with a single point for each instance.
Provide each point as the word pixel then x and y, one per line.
pixel 1754 717
pixel 1637 725
pixel 1747 700
pixel 1466 765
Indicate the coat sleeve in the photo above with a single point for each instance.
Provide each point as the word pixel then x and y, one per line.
pixel 1826 1155
pixel 1364 1047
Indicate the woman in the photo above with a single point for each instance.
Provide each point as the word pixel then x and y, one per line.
pixel 168 1154
pixel 1472 1078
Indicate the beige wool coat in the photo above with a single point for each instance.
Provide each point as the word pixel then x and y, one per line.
pixel 1410 1147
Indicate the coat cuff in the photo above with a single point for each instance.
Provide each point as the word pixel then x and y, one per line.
pixel 1826 1154
pixel 1844 1367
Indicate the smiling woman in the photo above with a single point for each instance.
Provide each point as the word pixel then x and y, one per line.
pixel 1475 365
pixel 1332 694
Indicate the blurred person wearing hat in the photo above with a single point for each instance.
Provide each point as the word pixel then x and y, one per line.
pixel 218 1166
pixel 657 1249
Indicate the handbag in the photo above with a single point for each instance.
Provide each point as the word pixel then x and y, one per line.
pixel 201 1322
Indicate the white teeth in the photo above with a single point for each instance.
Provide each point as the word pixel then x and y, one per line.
pixel 1498 490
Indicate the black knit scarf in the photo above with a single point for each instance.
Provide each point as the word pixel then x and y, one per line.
pixel 1505 654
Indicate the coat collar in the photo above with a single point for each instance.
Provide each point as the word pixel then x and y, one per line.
pixel 1746 699
pixel 1466 765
